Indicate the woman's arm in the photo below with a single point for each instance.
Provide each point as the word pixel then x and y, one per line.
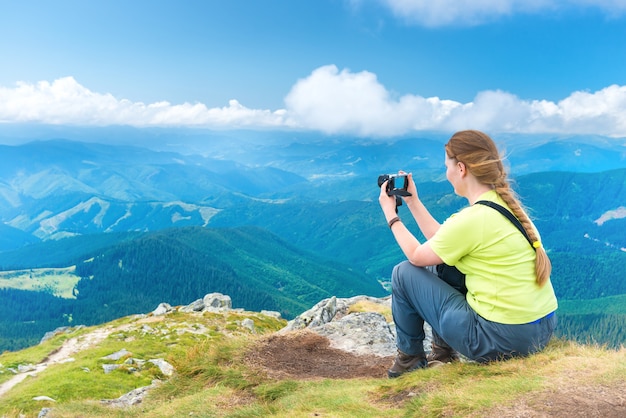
pixel 417 254
pixel 425 221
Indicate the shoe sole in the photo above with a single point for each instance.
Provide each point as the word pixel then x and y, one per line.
pixel 436 363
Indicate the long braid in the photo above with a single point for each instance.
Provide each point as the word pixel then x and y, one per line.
pixel 481 157
pixel 543 266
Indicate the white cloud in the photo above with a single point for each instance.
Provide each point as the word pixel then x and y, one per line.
pixel 65 101
pixel 336 101
pixel 473 12
pixel 331 101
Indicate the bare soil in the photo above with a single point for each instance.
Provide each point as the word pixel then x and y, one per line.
pixel 307 355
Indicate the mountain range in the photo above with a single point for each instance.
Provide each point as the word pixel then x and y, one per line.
pixel 291 217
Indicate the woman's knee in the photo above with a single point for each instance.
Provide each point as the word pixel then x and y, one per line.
pixel 399 274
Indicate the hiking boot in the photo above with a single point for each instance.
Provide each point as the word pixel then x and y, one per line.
pixel 440 355
pixel 406 363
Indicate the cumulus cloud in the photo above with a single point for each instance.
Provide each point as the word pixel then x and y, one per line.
pixel 341 101
pixel 328 100
pixel 65 101
pixel 336 101
pixel 473 12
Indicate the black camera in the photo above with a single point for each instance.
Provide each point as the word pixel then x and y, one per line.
pixel 396 184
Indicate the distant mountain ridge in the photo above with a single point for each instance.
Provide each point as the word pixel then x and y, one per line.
pixel 53 189
pixel 58 188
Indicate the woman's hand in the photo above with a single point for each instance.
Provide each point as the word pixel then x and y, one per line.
pixel 411 188
pixel 387 203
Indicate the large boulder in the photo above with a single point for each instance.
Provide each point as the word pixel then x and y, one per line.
pixel 357 325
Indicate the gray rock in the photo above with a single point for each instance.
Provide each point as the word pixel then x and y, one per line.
pixel 60 330
pixel 355 332
pixel 323 312
pixel 248 323
pixel 217 301
pixel 108 368
pixel 196 306
pixel 273 314
pixel 44 412
pixel 118 355
pixel 24 368
pixel 51 334
pixel 162 309
pixel 360 333
pixel 166 368
pixel 131 398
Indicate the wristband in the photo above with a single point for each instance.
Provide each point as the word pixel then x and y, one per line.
pixel 393 221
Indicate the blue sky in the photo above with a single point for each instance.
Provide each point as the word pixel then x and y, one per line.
pixel 373 68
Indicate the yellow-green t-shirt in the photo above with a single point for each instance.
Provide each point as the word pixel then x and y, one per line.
pixel 498 262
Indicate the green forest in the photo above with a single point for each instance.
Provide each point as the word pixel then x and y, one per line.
pixel 257 269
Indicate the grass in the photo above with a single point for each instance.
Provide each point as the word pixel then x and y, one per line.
pixel 57 281
pixel 367 306
pixel 212 380
pixel 35 354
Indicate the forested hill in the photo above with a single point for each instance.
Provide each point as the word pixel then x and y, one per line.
pixel 582 219
pixel 259 270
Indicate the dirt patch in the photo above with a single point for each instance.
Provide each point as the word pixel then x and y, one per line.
pixel 582 401
pixel 307 355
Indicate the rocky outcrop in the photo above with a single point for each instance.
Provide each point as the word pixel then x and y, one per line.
pixel 131 398
pixel 351 326
pixel 357 325
pixel 134 364
pixel 211 302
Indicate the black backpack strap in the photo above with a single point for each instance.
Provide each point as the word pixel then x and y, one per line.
pixel 510 217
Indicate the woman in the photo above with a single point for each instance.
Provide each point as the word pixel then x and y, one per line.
pixel 509 307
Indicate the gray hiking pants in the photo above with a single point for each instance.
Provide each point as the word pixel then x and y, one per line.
pixel 418 295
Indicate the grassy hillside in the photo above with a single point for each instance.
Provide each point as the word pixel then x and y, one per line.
pixel 224 369
pixel 56 281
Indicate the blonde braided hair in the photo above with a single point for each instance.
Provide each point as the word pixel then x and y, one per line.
pixel 480 155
